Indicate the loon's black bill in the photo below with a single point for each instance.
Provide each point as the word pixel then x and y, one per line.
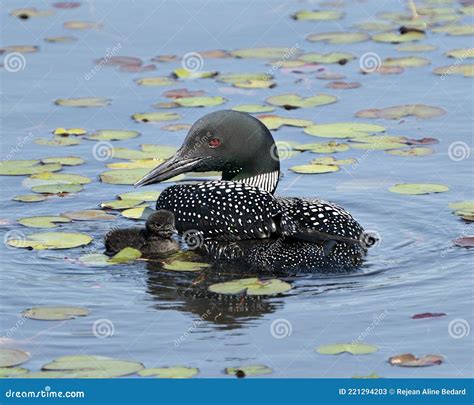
pixel 172 167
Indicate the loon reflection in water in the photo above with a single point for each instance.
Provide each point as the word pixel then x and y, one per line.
pixel 233 213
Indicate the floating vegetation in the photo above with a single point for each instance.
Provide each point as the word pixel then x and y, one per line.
pixel 418 188
pixel 352 348
pixel 50 240
pixel 55 313
pixel 251 286
pixel 409 360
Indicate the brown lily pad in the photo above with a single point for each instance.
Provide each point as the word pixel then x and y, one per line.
pixel 420 111
pixel 465 241
pixel 409 360
pixel 428 315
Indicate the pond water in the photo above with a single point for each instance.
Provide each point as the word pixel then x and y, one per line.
pixel 157 320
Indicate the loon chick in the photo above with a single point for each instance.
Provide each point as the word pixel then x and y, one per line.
pixel 241 205
pixel 155 239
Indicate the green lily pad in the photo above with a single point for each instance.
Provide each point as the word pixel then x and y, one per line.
pixel 43 222
pixel 318 15
pixel 292 101
pixel 455 29
pixel 88 215
pixel 314 169
pixel 338 37
pixel 252 370
pixel 140 195
pixel 200 101
pixel 128 176
pixel 251 286
pixel 12 357
pixel 83 102
pixel 61 178
pixel 352 348
pixel 179 265
pixel 176 127
pixel 57 141
pixel 169 372
pixel 156 81
pixel 94 366
pixel 136 164
pixel 408 47
pixel 141 212
pixel 255 84
pixel 465 69
pixel 182 73
pixel 463 53
pixel 112 135
pixel 156 117
pixel 330 160
pixel 343 130
pixel 397 38
pixel 334 57
pixel 406 62
pixel 64 160
pixel 326 147
pixel 54 313
pixel 126 255
pixel 26 167
pixel 29 198
pixel 57 188
pixel 243 77
pixel 412 152
pixel 463 206
pixel 120 204
pixel 420 111
pixel 13 372
pixel 51 240
pixel 418 188
pixel 265 53
pixel 253 108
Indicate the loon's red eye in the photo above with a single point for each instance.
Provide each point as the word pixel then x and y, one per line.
pixel 214 143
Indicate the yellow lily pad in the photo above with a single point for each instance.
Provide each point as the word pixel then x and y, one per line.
pixel 408 47
pixel 314 169
pixel 182 73
pixel 463 53
pixel 352 348
pixel 465 69
pixel 156 116
pixel 83 102
pixel 334 57
pixel 126 255
pixel 251 370
pixel 412 152
pixel 251 286
pixel 318 15
pixel 200 101
pixel 28 12
pixel 253 108
pixel 418 188
pixel 406 62
pixel 169 372
pixel 255 84
pixel 55 313
pixel 264 53
pixel 12 357
pixel 29 198
pixel 397 38
pixel 343 130
pixel 275 121
pixel 140 195
pixel 26 167
pixel 455 29
pixel 156 81
pixel 141 212
pixel 13 372
pixel 60 188
pixel 57 141
pixel 19 49
pixel 64 160
pixel 43 221
pixel 243 77
pixel 180 265
pixel 112 135
pixel 176 127
pixel 88 215
pixel 120 204
pixel 69 131
pixel 338 37
pixel 82 25
pixel 51 240
pixel 292 101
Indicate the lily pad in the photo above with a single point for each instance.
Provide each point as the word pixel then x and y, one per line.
pixel 409 360
pixel 19 49
pixel 126 255
pixel 61 188
pixel 465 69
pixel 176 127
pixel 334 57
pixel 253 108
pixel 69 131
pixel 251 370
pixel 141 212
pixel 265 53
pixel 251 286
pixel 140 195
pixel 182 73
pixel 339 85
pixel 323 147
pixel 127 176
pixel 462 206
pixel 88 215
pixel 83 102
pixel 55 313
pixel 179 265
pixel 420 111
pixel 61 39
pixel 156 81
pixel 412 152
pixel 43 222
pixel 156 117
pixel 343 130
pixel 418 188
pixel 292 101
pixel 57 141
pixel 200 101
pixel 112 135
pixel 51 240
pixel 330 160
pixel 397 38
pixel 408 47
pixel 352 348
pixel 243 77
pixel 169 372
pixel 465 241
pixel 455 29
pixel 255 84
pixel 12 357
pixel 29 198
pixel 120 204
pixel 26 167
pixel 318 15
pixel 463 53
pixel 406 62
pixel 338 37
pixel 13 372
pixel 82 25
pixel 28 12
pixel 314 169
pixel 64 160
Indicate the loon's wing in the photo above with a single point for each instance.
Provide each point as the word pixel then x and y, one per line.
pixel 222 210
pixel 315 220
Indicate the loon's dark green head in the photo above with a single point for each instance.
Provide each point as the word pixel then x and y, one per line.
pixel 232 142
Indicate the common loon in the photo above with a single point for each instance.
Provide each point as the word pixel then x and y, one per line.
pixel 155 239
pixel 241 206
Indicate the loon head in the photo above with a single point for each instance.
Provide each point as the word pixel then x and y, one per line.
pixel 161 223
pixel 231 142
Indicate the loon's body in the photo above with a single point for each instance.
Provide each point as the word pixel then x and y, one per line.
pixel 155 239
pixel 242 206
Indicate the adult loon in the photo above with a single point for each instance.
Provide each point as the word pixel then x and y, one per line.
pixel 241 206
